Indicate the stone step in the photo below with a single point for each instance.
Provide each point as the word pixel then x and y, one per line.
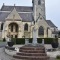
pixel 31 57
pixel 32 48
pixel 31 54
pixel 33 51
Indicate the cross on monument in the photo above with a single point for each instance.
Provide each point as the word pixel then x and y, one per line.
pixel 34 29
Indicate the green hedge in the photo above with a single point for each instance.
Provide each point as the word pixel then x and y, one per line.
pixel 58 57
pixel 39 40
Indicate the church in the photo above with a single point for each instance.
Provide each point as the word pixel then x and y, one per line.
pixel 18 21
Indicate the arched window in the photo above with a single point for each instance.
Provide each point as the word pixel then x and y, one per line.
pixel 12 28
pixel 39 2
pixel 41 31
pixel 26 27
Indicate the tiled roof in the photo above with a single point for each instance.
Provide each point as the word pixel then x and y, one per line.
pixel 18 8
pixel 3 15
pixel 55 32
pixel 26 17
pixel 50 23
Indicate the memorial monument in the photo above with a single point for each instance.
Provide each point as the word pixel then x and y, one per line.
pixel 32 51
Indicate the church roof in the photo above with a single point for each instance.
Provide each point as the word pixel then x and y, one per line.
pixel 50 23
pixel 26 17
pixel 18 8
pixel 3 15
pixel 55 32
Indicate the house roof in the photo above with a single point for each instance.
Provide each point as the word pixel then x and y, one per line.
pixel 50 23
pixel 18 8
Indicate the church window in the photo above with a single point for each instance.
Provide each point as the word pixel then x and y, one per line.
pixel 2 26
pixel 11 28
pixel 16 26
pixel 26 27
pixel 41 31
pixel 39 2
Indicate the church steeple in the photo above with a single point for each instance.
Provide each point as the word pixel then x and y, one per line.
pixel 40 7
pixel 36 2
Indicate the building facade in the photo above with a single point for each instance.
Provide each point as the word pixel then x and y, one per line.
pixel 18 21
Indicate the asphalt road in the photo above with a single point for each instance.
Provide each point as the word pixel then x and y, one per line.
pixel 3 55
pixel 3 44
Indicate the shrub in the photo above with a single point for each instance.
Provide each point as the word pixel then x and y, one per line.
pixel 58 57
pixel 4 39
pixel 55 43
pixel 30 40
pixel 13 40
pixel 20 41
pixel 39 40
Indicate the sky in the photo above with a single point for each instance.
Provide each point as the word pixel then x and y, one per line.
pixel 52 8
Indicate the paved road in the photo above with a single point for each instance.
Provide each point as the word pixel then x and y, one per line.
pixel 3 44
pixel 3 55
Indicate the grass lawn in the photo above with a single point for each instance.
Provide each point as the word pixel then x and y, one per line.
pixel 57 59
pixel 1 40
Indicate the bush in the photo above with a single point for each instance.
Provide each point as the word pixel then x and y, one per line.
pixel 55 43
pixel 39 40
pixel 4 39
pixel 13 40
pixel 58 57
pixel 30 40
pixel 20 41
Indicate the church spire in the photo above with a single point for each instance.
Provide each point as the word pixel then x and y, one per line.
pixel 40 6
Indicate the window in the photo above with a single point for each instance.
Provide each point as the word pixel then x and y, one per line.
pixel 2 26
pixel 12 28
pixel 41 31
pixel 39 2
pixel 16 26
pixel 26 27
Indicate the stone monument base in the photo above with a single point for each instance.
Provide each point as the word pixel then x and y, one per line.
pixel 32 52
